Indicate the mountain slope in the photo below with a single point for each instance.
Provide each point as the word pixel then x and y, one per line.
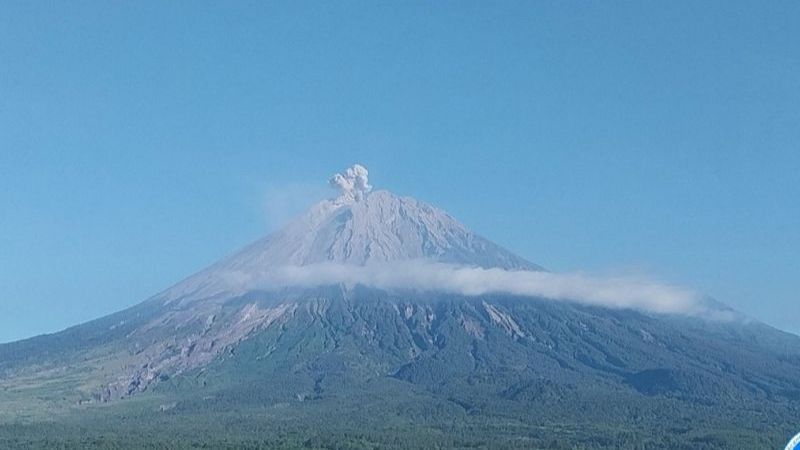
pixel 492 370
pixel 378 227
pixel 221 360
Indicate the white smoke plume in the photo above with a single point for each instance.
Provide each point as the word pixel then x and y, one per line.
pixel 353 183
pixel 613 292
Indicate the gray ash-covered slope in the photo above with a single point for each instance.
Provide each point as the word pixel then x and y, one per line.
pixel 367 228
pixel 190 324
pixel 381 227
pixel 499 369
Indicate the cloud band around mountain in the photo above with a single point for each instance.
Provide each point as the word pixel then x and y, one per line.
pixel 613 292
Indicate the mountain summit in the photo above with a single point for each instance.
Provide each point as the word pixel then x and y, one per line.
pixel 362 226
pixel 219 361
pixel 358 227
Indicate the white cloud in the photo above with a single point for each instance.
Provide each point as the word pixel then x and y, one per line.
pixel 614 292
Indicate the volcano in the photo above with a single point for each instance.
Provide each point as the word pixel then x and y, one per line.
pixel 319 336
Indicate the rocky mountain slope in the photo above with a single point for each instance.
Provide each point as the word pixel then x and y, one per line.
pixel 428 367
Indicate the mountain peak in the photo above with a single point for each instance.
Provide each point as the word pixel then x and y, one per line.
pixel 362 226
pixel 359 227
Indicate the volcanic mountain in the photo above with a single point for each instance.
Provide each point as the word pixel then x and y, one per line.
pixel 320 336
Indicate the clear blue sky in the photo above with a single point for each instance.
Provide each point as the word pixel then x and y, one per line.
pixel 141 141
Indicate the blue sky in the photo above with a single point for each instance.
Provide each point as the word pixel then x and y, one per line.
pixel 141 141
